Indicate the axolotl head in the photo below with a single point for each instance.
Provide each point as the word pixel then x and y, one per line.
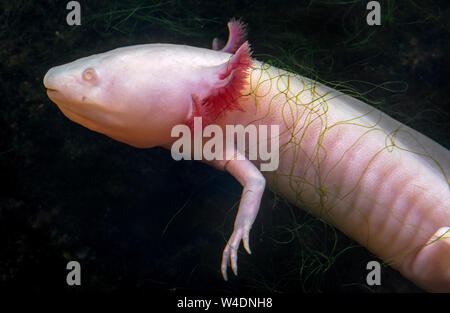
pixel 137 94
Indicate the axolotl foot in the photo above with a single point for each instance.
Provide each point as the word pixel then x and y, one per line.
pixel 254 183
pixel 229 255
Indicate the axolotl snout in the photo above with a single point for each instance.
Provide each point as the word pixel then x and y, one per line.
pixel 377 180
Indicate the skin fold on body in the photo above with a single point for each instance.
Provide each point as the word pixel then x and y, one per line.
pixel 378 181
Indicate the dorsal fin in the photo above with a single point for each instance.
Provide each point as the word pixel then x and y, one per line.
pixel 231 79
pixel 236 37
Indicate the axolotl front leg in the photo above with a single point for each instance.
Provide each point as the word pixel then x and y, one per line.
pixel 253 183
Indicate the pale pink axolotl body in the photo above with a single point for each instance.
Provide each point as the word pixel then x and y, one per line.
pixel 377 180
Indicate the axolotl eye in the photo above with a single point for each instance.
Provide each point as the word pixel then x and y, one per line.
pixel 89 75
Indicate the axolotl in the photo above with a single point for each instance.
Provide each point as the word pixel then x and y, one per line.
pixel 377 180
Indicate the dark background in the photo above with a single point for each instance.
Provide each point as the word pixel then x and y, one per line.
pixel 136 219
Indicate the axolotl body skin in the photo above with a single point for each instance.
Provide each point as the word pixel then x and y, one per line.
pixel 380 182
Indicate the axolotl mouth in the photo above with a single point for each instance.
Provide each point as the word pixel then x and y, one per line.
pixel 50 91
pixel 55 96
